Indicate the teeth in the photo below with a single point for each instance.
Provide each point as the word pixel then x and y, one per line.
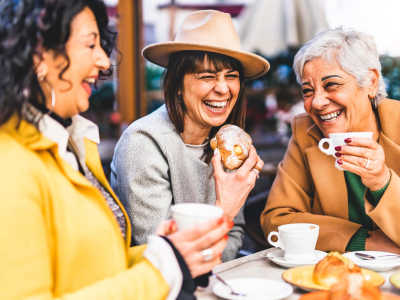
pixel 90 80
pixel 330 116
pixel 217 104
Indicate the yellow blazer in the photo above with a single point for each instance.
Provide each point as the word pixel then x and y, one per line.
pixel 308 187
pixel 58 238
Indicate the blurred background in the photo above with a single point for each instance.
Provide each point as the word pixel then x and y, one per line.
pixel 274 29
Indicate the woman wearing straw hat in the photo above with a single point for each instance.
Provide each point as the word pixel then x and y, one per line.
pixel 165 157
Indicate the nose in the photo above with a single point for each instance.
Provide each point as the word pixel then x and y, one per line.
pixel 221 86
pixel 320 101
pixel 102 60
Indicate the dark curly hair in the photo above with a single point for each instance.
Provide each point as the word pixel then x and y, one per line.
pixel 26 25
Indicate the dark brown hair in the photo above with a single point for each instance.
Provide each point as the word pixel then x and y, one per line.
pixel 187 62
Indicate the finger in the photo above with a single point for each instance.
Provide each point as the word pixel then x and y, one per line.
pixel 249 163
pixel 362 142
pixel 363 152
pixel 201 266
pixel 259 165
pixel 347 166
pixel 203 229
pixel 364 164
pixel 217 163
pixel 213 236
pixel 166 227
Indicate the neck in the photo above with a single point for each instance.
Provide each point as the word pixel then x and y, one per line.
pixel 194 135
pixel 63 121
pixel 371 124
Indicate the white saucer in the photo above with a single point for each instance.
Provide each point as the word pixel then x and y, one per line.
pixel 254 288
pixel 276 256
pixel 379 265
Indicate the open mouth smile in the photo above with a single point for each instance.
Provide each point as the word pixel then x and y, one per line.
pixel 330 116
pixel 216 104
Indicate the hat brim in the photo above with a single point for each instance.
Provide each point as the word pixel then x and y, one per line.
pixel 253 65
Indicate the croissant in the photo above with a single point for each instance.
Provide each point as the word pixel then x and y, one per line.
pixel 234 145
pixel 332 268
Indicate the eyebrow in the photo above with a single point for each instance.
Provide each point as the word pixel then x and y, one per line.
pixel 330 76
pixel 214 71
pixel 94 34
pixel 323 79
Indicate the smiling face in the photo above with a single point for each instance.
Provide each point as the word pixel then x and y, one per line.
pixel 334 100
pixel 86 58
pixel 209 97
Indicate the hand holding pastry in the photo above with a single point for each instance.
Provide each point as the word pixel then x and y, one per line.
pixel 233 188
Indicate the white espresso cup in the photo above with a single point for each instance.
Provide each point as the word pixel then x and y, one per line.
pixel 187 215
pixel 327 145
pixel 297 240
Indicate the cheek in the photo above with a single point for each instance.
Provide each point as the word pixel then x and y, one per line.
pixel 307 105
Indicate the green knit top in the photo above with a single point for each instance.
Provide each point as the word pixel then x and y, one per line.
pixel 356 191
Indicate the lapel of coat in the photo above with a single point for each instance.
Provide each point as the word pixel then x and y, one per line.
pixel 93 162
pixel 389 112
pixel 330 184
pixel 29 136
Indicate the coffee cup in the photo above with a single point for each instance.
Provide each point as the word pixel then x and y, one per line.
pixel 187 215
pixel 327 145
pixel 297 240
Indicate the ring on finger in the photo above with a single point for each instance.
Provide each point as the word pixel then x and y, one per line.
pixel 367 162
pixel 207 254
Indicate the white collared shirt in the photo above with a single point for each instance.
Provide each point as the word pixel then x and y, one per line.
pixel 79 129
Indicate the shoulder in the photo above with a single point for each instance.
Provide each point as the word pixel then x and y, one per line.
pixel 23 172
pixel 304 130
pixel 155 123
pixel 389 117
pixel 153 130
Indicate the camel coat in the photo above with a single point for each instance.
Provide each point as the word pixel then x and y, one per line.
pixel 59 239
pixel 308 187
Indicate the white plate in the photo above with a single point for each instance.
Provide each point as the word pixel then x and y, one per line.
pixel 254 288
pixel 379 264
pixel 276 256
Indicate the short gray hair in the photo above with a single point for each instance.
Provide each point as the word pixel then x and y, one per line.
pixel 355 52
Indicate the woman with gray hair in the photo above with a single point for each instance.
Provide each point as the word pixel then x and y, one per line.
pixel 356 203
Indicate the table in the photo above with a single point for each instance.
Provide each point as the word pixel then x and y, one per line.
pixel 257 265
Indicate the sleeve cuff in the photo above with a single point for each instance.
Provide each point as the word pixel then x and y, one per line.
pixel 357 242
pixel 374 196
pixel 162 256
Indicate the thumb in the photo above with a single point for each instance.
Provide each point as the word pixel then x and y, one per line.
pixel 216 162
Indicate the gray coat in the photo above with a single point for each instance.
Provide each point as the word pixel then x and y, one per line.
pixel 152 169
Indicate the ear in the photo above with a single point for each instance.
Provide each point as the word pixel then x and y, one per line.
pixel 374 83
pixel 40 66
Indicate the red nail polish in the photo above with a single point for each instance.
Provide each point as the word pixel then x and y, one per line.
pixel 230 223
pixel 338 154
pixel 220 220
pixel 172 226
pixel 338 148
pixel 226 237
pixel 339 161
pixel 348 140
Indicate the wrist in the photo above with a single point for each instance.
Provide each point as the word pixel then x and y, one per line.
pixel 383 182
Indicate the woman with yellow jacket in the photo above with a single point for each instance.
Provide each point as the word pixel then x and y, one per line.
pixel 356 205
pixel 64 234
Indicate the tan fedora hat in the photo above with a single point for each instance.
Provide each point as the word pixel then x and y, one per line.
pixel 212 31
